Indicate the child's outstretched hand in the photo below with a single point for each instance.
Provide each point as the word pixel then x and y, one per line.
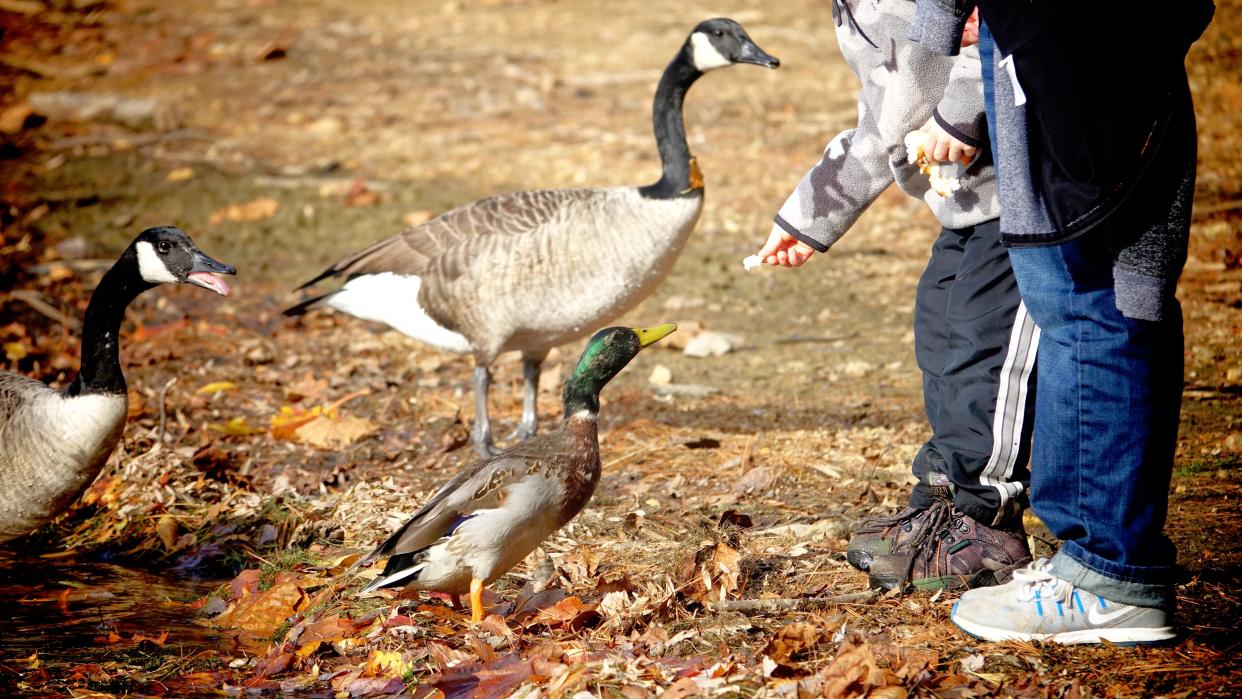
pixel 784 250
pixel 941 147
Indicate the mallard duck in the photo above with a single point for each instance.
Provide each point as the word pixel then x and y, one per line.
pixel 528 271
pixel 495 512
pixel 53 443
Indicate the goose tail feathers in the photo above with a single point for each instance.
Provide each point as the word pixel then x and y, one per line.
pixel 332 271
pixel 308 304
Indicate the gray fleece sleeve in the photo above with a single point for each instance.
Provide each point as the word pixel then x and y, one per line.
pixel 1146 272
pixel 938 25
pixel 832 195
pixel 960 111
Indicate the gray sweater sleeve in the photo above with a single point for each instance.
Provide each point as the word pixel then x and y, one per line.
pixel 902 86
pixel 847 179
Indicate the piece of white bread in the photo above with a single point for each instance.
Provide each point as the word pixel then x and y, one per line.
pixel 939 176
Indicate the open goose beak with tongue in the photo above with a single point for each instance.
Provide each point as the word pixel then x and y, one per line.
pixel 204 270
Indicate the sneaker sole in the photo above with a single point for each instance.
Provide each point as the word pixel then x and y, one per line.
pixel 1125 636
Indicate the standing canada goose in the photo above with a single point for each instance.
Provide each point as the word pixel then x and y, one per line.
pixel 53 443
pixel 528 271
pixel 488 517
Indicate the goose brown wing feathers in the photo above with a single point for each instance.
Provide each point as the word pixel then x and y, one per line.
pixel 15 391
pixel 415 250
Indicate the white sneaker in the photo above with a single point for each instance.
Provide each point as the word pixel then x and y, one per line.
pixel 1038 606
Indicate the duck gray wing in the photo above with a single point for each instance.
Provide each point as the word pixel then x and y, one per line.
pixel 479 486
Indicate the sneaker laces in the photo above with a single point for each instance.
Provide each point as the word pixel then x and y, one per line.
pixel 1038 582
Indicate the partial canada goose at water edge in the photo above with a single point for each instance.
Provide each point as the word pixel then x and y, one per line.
pixel 54 443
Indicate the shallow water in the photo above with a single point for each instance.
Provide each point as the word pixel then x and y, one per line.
pixel 73 613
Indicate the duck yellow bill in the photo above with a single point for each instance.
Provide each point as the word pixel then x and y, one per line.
pixel 649 336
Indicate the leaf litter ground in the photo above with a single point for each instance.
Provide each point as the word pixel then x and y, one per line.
pixel 264 456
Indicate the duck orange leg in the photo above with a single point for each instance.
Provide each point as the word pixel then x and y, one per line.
pixel 476 600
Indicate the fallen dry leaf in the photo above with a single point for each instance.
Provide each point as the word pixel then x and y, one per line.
pixel 285 424
pixel 791 643
pixel 571 613
pixel 333 433
pixel 711 573
pixel 360 195
pixel 256 210
pixel 180 174
pixel 260 613
pixel 855 672
pixel 216 387
pixel 236 427
pixel 166 527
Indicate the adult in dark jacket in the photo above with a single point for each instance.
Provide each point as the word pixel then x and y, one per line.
pixel 1096 151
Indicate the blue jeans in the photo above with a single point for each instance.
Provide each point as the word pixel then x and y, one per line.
pixel 987 52
pixel 1108 395
pixel 1106 415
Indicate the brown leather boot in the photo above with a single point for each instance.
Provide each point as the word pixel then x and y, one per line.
pixel 884 535
pixel 952 552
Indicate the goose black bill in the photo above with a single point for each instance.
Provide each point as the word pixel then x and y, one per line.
pixel 203 273
pixel 751 53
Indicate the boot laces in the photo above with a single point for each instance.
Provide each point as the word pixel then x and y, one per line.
pixel 879 524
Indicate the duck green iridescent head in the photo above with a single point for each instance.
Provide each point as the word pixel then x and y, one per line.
pixel 607 353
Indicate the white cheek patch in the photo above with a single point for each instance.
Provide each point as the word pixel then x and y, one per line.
pixel 705 56
pixel 151 267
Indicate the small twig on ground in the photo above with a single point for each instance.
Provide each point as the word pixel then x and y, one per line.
pixel 37 301
pixel 163 414
pixel 1217 208
pixel 751 606
pixel 43 69
pixel 632 455
pixel 132 140
pixel 23 7
pixel 312 182
pixel 333 407
pixel 84 266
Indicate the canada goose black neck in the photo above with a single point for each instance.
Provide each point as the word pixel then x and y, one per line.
pixel 101 361
pixel 670 130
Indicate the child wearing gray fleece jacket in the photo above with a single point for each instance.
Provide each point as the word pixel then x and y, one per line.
pixel 974 342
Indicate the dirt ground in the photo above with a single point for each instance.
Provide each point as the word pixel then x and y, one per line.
pixel 287 134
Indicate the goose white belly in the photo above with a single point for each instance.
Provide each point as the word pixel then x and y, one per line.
pixel 50 450
pixel 392 298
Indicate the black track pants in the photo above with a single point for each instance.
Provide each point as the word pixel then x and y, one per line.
pixel 975 345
